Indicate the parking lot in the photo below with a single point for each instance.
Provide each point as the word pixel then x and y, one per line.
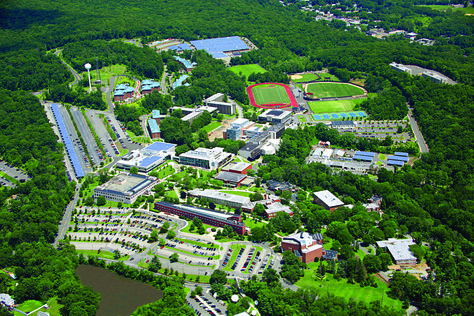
pixel 13 172
pixel 206 304
pixel 87 136
pixel 104 137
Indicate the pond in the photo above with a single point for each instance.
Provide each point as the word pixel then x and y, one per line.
pixel 119 295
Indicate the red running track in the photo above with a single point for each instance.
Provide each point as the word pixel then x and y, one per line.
pixel 272 105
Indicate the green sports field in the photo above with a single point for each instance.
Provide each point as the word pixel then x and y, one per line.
pixel 246 70
pixel 468 10
pixel 333 90
pixel 334 106
pixel 266 94
pixel 306 78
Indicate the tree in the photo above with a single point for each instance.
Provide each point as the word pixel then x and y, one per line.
pixel 257 196
pixel 171 234
pixel 270 276
pixel 164 227
pixel 134 170
pixel 155 264
pixel 162 242
pixel 174 257
pixel 199 290
pixel 116 254
pixel 372 263
pixel 101 201
pixel 385 261
pixel 218 277
pixel 153 236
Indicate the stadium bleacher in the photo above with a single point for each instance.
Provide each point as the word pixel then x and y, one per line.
pixel 67 142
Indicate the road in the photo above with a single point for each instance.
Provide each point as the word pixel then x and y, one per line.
pixel 416 130
pixel 64 223
pixel 77 77
pixel 86 135
pixel 163 87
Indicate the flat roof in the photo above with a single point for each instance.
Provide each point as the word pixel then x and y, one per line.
pixel 230 176
pixel 304 238
pixel 159 146
pixel 213 194
pixel 126 183
pixel 154 128
pixel 240 166
pixel 216 46
pixel 399 248
pixel 155 114
pixel 328 198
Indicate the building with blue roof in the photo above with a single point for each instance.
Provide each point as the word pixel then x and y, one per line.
pixel 148 158
pixel 123 92
pixel 154 129
pixel 149 85
pixel 179 82
pixel 180 47
pixel 189 65
pixel 125 188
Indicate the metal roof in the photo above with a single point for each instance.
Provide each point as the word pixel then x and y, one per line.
pixel 395 163
pixel 149 161
pixel 159 146
pixel 365 153
pixel 342 123
pixel 185 62
pixel 400 153
pixel 154 128
pixel 155 114
pixel 328 198
pixel 216 46
pixel 399 158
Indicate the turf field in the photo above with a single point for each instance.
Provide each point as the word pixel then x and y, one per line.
pixel 468 10
pixel 304 77
pixel 334 106
pixel 246 70
pixel 333 90
pixel 267 94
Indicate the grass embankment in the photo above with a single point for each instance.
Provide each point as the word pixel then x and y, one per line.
pixel 236 248
pixel 138 139
pixel 329 285
pixel 211 126
pixel 198 243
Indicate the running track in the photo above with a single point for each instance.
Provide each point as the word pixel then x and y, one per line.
pixel 276 105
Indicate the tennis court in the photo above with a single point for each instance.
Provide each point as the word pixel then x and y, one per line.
pixel 339 116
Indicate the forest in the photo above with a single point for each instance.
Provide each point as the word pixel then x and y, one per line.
pixel 433 200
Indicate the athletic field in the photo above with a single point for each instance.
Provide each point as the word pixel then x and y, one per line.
pixel 334 106
pixel 332 90
pixel 304 77
pixel 247 70
pixel 270 94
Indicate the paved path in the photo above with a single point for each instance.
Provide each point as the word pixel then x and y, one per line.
pixel 77 77
pixel 416 130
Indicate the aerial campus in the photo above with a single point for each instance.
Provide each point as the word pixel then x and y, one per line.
pixel 216 173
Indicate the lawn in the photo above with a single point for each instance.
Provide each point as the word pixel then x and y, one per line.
pixel 382 157
pixel 247 70
pixel 334 106
pixel 6 176
pixel 28 306
pixel 250 223
pixel 211 126
pixel 171 194
pixel 138 139
pixel 177 177
pixel 235 253
pixel 333 90
pixel 267 94
pixel 348 291
pixel 165 171
pixel 468 10
pixel 103 254
pixel 257 249
pixel 306 78
pixel 302 118
pixel 241 193
pixel 186 229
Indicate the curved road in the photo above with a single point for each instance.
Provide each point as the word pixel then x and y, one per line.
pixel 77 77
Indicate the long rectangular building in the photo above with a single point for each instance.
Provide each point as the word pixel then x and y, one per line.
pixel 214 218
pixel 125 188
pixel 206 158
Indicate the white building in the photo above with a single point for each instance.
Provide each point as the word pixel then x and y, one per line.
pixel 206 158
pixel 125 188
pixel 6 300
pixel 231 200
pixel 399 249
pixel 148 158
pixel 275 116
pixel 327 200
pixel 400 68
pixel 216 101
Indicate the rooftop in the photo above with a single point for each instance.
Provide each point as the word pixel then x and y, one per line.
pixel 179 81
pixel 216 46
pixel 328 198
pixel 399 248
pixel 126 183
pixel 203 153
pixel 213 194
pixel 230 177
pixel 159 146
pixel 155 114
pixel 240 166
pixel 304 238
pixel 185 62
pixel 154 128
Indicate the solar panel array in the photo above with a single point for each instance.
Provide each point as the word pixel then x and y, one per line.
pixel 399 153
pixel 149 160
pixel 180 47
pixel 398 159
pixel 216 46
pixel 395 163
pixel 67 142
pixel 363 155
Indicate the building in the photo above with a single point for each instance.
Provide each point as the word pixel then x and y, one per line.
pixel 226 199
pixel 155 115
pixel 210 217
pixel 125 188
pixel 304 245
pixel 187 64
pixel 149 85
pixel 217 101
pixel 271 147
pixel 123 92
pixel 236 129
pixel 231 179
pixel 282 186
pixel 250 151
pixel 190 114
pixel 342 124
pixel 253 149
pixel 179 82
pixel 399 249
pixel 206 158
pixel 327 200
pixel 434 77
pixel 273 209
pixel 275 116
pixel 6 300
pixel 400 68
pixel 222 47
pixel 153 129
pixel 148 158
pixel 240 167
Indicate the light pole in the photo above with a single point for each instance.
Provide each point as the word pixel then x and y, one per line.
pixel 88 67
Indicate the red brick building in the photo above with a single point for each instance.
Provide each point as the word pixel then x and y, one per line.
pixel 241 168
pixel 327 200
pixel 305 246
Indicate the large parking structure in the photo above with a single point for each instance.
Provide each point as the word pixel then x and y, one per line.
pixel 339 116
pixel 271 96
pixel 320 90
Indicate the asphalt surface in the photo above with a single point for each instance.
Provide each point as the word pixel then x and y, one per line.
pixel 77 77
pixel 416 130
pixel 13 172
pixel 102 133
pixel 86 135
pixel 64 223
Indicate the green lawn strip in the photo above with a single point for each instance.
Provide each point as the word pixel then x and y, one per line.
pixel 241 193
pixel 250 223
pixel 6 176
pixel 382 157
pixel 211 126
pixel 171 194
pixel 334 106
pixel 144 265
pixel 103 254
pixel 198 243
pixel 236 248
pixel 28 306
pixel 124 258
pixel 216 257
pixel 191 277
pixel 257 249
pixel 346 290
pixel 268 263
pixel 186 229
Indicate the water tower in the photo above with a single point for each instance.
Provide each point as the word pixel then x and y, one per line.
pixel 88 67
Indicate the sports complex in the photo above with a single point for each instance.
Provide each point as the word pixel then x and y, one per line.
pixel 271 96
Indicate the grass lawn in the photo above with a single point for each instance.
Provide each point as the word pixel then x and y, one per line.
pixel 107 72
pixel 329 90
pixel 468 10
pixel 247 70
pixel 235 253
pixel 171 194
pixel 241 193
pixel 382 157
pixel 250 223
pixel 138 139
pixel 103 254
pixel 306 78
pixel 28 306
pixel 177 177
pixel 165 171
pixel 6 176
pixel 265 94
pixel 198 243
pixel 348 291
pixel 334 106
pixel 211 126
pixel 186 229
pixel 54 307
pixel 302 118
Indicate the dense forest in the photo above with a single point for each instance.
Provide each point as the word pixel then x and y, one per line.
pixel 433 200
